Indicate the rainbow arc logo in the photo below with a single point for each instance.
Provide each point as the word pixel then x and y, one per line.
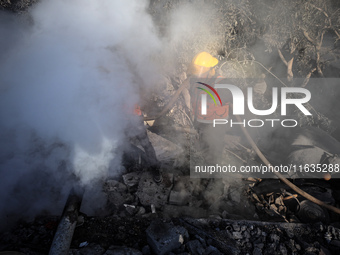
pixel 209 93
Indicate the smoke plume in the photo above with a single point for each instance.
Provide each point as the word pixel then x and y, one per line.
pixel 70 75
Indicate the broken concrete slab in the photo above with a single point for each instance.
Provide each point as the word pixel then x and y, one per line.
pixel 150 192
pixel 164 237
pixel 165 150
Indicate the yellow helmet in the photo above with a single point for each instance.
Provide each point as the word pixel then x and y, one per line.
pixel 204 59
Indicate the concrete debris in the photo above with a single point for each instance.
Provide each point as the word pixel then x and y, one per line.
pixel 117 194
pixel 163 237
pixel 131 209
pixel 153 209
pixel 165 150
pixel 83 244
pixel 237 235
pixel 211 250
pixel 138 195
pixel 132 179
pixel 195 247
pixel 179 236
pixel 257 251
pixel 150 192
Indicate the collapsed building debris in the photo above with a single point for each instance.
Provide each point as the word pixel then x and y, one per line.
pixel 151 193
pixel 115 235
pixel 225 216
pixel 136 197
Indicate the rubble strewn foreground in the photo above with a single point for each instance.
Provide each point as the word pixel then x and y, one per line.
pixel 151 235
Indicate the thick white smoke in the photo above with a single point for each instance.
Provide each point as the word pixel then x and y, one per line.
pixel 68 83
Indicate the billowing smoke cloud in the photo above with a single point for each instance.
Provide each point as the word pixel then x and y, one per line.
pixel 193 26
pixel 70 75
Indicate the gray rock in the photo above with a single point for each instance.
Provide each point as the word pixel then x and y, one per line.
pixel 211 250
pixel 117 193
pixel 298 247
pixel 164 237
pixel 195 247
pixel 141 210
pixel 283 249
pixel 274 238
pixel 165 150
pixel 183 232
pixel 257 251
pixel 311 250
pixel 236 227
pixel 237 235
pixel 291 245
pixel 180 250
pixel 132 179
pixel 259 245
pixel 203 242
pixel 150 192
pixel 246 234
pixel 270 249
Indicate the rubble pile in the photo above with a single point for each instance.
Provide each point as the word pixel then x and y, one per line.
pixel 185 215
pixel 178 196
pixel 137 235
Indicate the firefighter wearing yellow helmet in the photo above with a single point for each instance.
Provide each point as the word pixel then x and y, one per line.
pixel 202 68
pixel 203 64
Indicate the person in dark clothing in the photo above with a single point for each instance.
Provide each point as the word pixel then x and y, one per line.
pixel 139 133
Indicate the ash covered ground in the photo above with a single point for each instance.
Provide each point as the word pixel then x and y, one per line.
pixel 65 80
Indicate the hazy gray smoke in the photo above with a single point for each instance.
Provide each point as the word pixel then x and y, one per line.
pixel 69 79
pixel 194 27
